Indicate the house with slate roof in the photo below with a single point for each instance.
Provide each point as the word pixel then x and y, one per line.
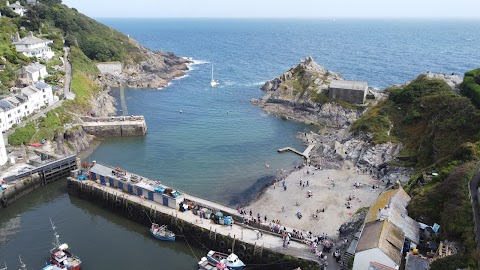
pixel 33 46
pixel 17 8
pixel 33 73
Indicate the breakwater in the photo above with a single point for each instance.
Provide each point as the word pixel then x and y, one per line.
pixel 26 182
pixel 120 126
pixel 265 252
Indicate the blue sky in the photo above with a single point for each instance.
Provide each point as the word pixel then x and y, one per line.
pixel 279 8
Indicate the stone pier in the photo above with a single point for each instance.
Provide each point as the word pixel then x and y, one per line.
pixel 119 126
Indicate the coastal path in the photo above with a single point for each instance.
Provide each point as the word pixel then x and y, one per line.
pixel 68 76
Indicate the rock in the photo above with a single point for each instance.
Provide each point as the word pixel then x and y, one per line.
pixel 155 72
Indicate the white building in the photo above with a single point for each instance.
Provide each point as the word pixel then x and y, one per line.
pixel 30 99
pixel 380 245
pixel 46 93
pixel 17 8
pixel 3 151
pixel 33 46
pixel 33 73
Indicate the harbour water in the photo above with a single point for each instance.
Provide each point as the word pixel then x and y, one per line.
pixel 212 142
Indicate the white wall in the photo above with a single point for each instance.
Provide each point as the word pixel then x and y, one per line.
pixel 3 151
pixel 363 259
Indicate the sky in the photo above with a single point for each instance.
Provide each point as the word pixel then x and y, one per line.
pixel 278 8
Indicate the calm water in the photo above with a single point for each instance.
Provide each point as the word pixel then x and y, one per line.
pixel 217 147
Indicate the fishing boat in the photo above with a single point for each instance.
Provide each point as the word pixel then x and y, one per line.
pixel 213 82
pixel 205 264
pixel 232 261
pixel 161 232
pixel 60 256
pixel 52 267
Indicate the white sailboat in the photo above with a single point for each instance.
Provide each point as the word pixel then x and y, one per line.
pixel 213 82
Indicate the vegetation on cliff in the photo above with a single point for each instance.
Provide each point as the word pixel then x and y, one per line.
pixel 440 132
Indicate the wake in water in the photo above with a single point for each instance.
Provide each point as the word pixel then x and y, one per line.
pixel 194 63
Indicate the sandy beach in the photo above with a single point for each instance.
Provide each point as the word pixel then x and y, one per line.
pixel 330 191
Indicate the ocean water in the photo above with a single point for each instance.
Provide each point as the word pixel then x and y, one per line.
pixel 218 146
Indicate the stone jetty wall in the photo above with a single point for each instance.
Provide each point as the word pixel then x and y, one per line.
pixel 124 126
pixel 195 235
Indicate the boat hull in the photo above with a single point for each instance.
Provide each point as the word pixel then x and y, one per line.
pixel 163 238
pixel 216 257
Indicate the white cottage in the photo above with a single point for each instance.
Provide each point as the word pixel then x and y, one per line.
pixel 31 98
pixel 33 73
pixel 33 46
pixel 17 8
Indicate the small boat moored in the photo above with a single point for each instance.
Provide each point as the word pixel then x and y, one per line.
pixel 232 261
pixel 205 264
pixel 61 257
pixel 161 232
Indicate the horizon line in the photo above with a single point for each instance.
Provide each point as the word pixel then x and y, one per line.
pixel 296 18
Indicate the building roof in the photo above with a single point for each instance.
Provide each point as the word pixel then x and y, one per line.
pixel 41 85
pixel 29 91
pixel 416 262
pixel 30 40
pixel 352 85
pixel 6 105
pixel 14 101
pixel 34 67
pixel 379 266
pixel 392 205
pixel 15 5
pixel 385 236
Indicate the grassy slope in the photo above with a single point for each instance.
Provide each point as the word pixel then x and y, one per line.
pixel 51 19
pixel 440 131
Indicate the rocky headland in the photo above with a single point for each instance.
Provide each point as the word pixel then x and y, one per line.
pixel 156 71
pixel 301 94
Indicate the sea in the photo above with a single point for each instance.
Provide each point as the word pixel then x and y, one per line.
pixel 212 142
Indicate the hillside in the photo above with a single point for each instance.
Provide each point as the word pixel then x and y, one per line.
pixel 90 42
pixel 440 133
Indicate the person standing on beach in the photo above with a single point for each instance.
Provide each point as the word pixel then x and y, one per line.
pixel 307 183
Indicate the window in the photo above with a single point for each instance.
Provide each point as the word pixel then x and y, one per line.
pixel 26 106
pixel 9 115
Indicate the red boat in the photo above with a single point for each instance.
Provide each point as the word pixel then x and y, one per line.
pixel 61 257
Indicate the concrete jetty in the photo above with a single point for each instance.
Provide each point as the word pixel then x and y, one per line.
pixel 305 154
pixel 117 126
pixel 240 238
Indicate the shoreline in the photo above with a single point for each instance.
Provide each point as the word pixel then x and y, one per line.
pixel 331 190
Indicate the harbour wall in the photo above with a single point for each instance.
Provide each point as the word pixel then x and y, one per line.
pixel 21 184
pixel 208 239
pixel 123 126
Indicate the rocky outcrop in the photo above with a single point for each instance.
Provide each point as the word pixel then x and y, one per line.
pixel 155 71
pixel 301 94
pixel 308 73
pixel 102 105
pixel 71 141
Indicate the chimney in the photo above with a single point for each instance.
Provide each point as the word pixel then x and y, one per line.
pixel 17 2
pixel 8 3
pixel 30 34
pixel 18 36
